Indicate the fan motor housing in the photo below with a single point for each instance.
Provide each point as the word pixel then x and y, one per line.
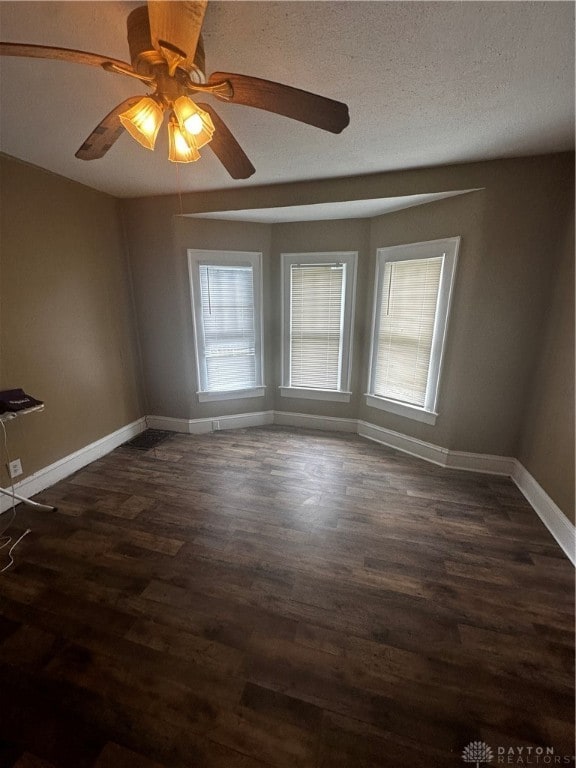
pixel 142 53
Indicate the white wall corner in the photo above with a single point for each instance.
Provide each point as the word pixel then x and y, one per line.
pixel 547 510
pixel 65 467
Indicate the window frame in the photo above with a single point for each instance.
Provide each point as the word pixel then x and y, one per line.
pixel 449 248
pixel 350 259
pixel 203 257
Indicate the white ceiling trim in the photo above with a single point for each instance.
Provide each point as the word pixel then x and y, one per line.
pixel 346 209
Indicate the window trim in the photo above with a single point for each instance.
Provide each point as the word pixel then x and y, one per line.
pixel 350 258
pixel 401 409
pixel 337 395
pixel 198 257
pixel 449 248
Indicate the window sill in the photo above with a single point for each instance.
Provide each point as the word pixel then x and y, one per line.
pixel 339 396
pixel 235 394
pixel 401 409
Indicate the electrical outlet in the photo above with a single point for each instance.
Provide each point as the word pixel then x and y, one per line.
pixel 15 468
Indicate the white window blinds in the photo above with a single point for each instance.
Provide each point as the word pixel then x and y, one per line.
pixel 317 294
pixel 408 303
pixel 228 328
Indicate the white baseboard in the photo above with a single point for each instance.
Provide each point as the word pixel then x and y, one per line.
pixel 443 457
pixel 256 419
pixel 551 515
pixel 481 462
pixel 547 510
pixel 310 421
pixel 188 426
pixel 73 462
pixel 404 443
pixel 201 426
pixel 241 420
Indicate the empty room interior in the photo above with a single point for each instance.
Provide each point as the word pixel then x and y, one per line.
pixel 287 384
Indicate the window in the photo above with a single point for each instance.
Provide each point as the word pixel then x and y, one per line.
pixel 317 308
pixel 413 291
pixel 226 300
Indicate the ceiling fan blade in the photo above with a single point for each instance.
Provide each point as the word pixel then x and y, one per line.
pixel 284 100
pixel 106 132
pixel 227 149
pixel 177 23
pixel 62 54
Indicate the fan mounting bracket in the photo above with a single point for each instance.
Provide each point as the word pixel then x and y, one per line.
pixel 224 89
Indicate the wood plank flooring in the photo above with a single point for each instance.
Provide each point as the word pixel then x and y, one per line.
pixel 272 597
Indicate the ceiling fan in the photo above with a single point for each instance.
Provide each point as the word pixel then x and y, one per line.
pixel 167 55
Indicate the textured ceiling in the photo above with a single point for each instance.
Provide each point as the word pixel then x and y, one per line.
pixel 426 83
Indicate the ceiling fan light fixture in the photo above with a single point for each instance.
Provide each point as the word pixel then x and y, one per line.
pixel 180 148
pixel 143 121
pixel 194 122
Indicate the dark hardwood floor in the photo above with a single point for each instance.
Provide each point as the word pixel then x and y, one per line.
pixel 273 597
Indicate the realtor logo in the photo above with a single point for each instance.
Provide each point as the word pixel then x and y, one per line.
pixel 477 752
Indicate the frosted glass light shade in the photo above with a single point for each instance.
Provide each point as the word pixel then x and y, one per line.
pixel 143 121
pixel 180 148
pixel 195 123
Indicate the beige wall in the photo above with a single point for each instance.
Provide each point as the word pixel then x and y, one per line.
pixel 66 320
pixel 503 291
pixel 318 236
pixel 503 282
pixel 546 444
pixel 159 240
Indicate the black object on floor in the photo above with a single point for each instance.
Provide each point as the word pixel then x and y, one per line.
pixel 150 438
